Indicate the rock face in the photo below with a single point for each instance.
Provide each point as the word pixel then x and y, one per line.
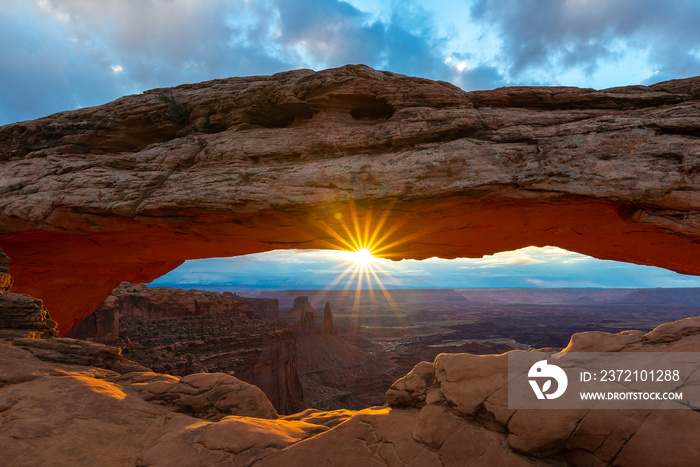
pixel 137 301
pixel 21 315
pixel 181 332
pixel 301 306
pixel 305 323
pixel 5 277
pixel 328 327
pixel 452 412
pixel 128 190
pixel 336 374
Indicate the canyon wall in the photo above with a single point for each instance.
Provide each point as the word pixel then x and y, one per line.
pixel 137 301
pixel 122 192
pixel 181 332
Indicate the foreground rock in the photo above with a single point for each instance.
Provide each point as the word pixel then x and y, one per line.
pixel 474 387
pixel 452 412
pixel 83 415
pixel 129 190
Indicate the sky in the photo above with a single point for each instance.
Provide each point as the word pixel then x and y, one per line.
pixel 319 269
pixel 65 54
pixel 60 55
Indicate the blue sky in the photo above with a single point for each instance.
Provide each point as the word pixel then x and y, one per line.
pixel 318 269
pixel 65 54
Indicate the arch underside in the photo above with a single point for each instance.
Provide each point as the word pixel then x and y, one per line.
pixel 73 273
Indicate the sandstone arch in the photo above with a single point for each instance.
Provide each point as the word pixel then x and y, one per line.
pixel 130 189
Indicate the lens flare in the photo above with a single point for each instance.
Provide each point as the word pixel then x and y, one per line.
pixel 365 243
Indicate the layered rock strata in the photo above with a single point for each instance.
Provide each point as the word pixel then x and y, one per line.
pixel 181 332
pixel 137 301
pixel 128 190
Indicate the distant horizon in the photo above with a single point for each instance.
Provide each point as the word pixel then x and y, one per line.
pixel 250 289
pixel 528 268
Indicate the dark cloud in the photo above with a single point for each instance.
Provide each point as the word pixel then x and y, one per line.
pixel 42 73
pixel 59 54
pixel 541 35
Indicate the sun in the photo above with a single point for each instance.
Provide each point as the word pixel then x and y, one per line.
pixel 362 256
pixel 365 244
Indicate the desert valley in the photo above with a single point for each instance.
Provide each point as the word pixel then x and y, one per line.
pixel 348 359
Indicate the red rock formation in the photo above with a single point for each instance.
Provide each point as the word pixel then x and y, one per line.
pixel 137 301
pixel 181 332
pixel 129 190
pixel 328 327
pixel 301 306
pixel 305 323
pixel 21 315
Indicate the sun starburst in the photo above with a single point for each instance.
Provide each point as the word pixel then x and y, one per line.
pixel 365 243
pixel 361 257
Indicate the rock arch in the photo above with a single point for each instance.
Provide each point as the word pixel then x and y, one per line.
pixel 125 191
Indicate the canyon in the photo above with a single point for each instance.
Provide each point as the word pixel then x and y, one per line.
pixel 124 192
pixel 297 363
pixel 368 341
pixel 181 332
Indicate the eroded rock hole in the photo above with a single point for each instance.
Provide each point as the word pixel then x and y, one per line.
pixel 281 116
pixel 372 109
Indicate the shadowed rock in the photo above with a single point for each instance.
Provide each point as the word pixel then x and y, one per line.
pixel 301 305
pixel 21 315
pixel 5 277
pixel 328 327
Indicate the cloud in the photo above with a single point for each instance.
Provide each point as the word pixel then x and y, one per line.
pixel 65 54
pixel 543 38
pixel 71 53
